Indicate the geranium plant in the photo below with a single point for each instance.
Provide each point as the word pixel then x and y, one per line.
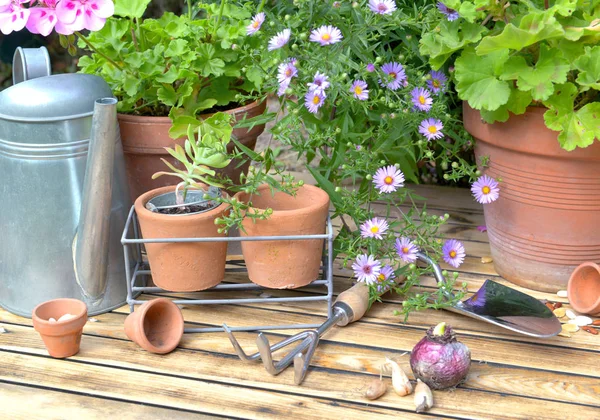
pixel 364 109
pixel 178 66
pixel 509 56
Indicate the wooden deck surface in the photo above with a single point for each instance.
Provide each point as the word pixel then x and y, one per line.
pixel 511 376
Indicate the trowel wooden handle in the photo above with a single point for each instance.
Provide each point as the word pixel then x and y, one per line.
pixel 357 298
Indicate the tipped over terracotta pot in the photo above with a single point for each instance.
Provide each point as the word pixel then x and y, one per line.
pixel 285 264
pixel 156 326
pixel 60 323
pixel 584 289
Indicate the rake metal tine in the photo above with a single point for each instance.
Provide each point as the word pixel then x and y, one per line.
pixel 267 356
pixel 238 349
pixel 302 360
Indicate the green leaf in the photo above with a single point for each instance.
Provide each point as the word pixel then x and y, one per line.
pixel 579 128
pixel 453 36
pixel 533 28
pixel 589 69
pixel 468 11
pixel 169 77
pixel 167 95
pixel 550 69
pixel 131 85
pixel 131 8
pixel 255 75
pixel 176 48
pixel 478 82
pixel 517 104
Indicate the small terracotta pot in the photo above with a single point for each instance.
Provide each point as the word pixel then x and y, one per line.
pixel 182 267
pixel 145 138
pixel 156 326
pixel 62 339
pixel 545 222
pixel 285 264
pixel 584 289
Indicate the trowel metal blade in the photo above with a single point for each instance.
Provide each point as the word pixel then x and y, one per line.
pixel 510 309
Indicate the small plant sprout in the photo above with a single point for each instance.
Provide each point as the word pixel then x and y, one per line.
pixel 204 149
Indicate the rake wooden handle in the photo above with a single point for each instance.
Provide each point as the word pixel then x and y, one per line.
pixel 357 298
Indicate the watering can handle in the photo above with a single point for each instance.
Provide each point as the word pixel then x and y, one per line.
pixel 30 63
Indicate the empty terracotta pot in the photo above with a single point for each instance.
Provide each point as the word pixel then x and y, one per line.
pixel 545 222
pixel 285 264
pixel 584 289
pixel 156 326
pixel 145 138
pixel 61 338
pixel 182 267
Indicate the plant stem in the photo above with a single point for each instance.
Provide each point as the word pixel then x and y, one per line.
pixel 214 34
pixel 261 6
pixel 91 47
pixel 189 4
pixel 140 34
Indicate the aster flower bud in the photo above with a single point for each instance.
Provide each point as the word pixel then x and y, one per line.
pixel 234 47
pixel 478 172
pixel 338 189
pixel 287 17
pixel 392 115
pixel 217 221
pixel 455 165
pixel 409 37
pixel 289 91
pixel 446 177
pixel 338 130
pixel 294 47
pixel 382 162
pixel 445 273
pixel 355 4
pixel 303 36
pixel 271 23
pixel 369 177
pixel 378 60
pixel 444 166
pixel 300 183
pixel 401 57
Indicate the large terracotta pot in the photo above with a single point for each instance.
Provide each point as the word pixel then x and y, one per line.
pixel 546 221
pixel 285 264
pixel 182 267
pixel 145 138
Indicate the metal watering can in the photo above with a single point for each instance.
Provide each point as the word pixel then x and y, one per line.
pixel 64 198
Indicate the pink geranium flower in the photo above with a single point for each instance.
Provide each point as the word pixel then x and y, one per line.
pixel 13 16
pixel 75 15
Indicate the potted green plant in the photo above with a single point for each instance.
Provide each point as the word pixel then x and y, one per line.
pixel 189 210
pixel 362 107
pixel 529 76
pixel 172 70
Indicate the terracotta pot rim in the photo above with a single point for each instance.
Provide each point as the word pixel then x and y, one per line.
pixel 140 207
pixel 167 119
pixel 140 324
pixel 594 307
pixel 301 210
pixel 82 313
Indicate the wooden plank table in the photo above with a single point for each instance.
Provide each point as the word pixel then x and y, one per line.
pixel 511 376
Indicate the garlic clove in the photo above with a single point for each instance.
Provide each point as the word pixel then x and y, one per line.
pixel 400 381
pixel 376 389
pixel 423 397
pixel 570 314
pixel 65 317
pixel 562 293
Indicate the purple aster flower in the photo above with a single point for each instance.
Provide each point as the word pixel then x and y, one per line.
pixel 366 268
pixel 485 189
pixel 406 250
pixel 388 179
pixel 482 228
pixel 421 99
pixel 280 40
pixel 255 24
pixel 453 252
pixel 385 275
pixel 395 73
pixel 320 82
pixel 451 14
pixel 431 129
pixel 337 4
pixel 358 147
pixel 326 35
pixel 359 89
pixel 374 228
pixel 382 7
pixel 314 100
pixel 287 70
pixel 370 67
pixel 283 85
pixel 437 82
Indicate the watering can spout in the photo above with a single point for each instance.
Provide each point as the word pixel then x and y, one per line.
pixel 91 243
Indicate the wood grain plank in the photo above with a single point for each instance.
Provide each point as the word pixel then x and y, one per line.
pixel 348 386
pixel 27 403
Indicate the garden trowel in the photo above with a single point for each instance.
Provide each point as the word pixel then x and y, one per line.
pixel 503 306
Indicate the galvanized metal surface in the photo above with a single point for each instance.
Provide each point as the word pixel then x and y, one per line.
pixel 132 243
pixel 30 63
pixel 45 127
